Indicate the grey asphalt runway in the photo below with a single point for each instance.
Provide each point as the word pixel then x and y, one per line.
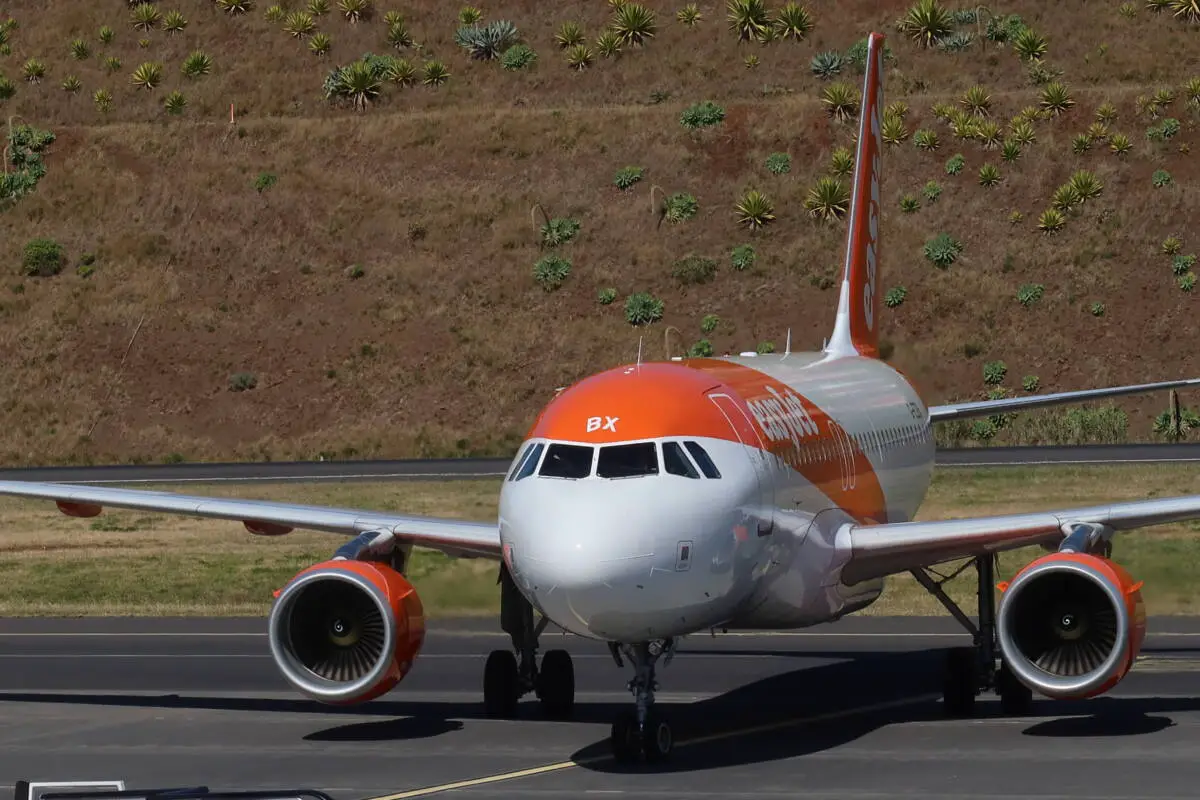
pixel 475 468
pixel 847 710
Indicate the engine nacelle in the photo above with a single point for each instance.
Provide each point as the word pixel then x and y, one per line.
pixel 1071 624
pixel 345 632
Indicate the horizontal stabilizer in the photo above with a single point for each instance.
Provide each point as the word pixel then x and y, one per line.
pixel 983 408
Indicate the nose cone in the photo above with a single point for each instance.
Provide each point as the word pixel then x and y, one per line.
pixel 598 562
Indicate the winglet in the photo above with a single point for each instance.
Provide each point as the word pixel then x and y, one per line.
pixel 856 330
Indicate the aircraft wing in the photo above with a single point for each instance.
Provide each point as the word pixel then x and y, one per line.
pixel 454 537
pixel 878 550
pixel 983 408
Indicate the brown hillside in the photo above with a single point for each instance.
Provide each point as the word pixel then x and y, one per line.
pixel 445 343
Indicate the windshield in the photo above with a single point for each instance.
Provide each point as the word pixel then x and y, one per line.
pixel 567 461
pixel 627 460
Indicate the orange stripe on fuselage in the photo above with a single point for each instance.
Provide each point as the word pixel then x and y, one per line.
pixel 804 437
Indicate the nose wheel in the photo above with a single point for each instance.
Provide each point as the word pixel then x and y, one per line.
pixel 642 733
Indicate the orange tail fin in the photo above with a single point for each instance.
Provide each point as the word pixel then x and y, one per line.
pixel 856 331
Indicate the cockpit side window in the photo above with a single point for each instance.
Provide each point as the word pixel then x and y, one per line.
pixel 529 464
pixel 520 462
pixel 702 459
pixel 676 463
pixel 567 461
pixel 627 460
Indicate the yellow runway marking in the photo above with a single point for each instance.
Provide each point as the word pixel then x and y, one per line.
pixel 716 737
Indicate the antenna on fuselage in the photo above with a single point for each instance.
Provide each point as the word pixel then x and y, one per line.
pixel 639 358
pixel 787 347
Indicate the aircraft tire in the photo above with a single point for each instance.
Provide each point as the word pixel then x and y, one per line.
pixel 556 684
pixel 657 739
pixel 960 683
pixel 625 738
pixel 501 684
pixel 1016 699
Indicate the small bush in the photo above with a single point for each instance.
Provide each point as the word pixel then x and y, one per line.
pixel 702 115
pixel 909 203
pixel 518 57
pixel 1187 281
pixel 955 164
pixel 994 372
pixel 264 181
pixel 895 296
pixel 1030 383
pixel 1160 178
pixel 743 257
pixel 680 207
pixel 701 349
pixel 694 270
pixel 1181 264
pixel 765 348
pixel 551 271
pixel 1171 245
pixel 779 163
pixel 709 323
pixel 1097 309
pixel 643 308
pixel 607 296
pixel 932 191
pixel 559 231
pixel 42 258
pixel 1030 293
pixel 627 176
pixel 242 381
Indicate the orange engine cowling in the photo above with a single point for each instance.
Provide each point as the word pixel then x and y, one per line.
pixel 346 631
pixel 1071 624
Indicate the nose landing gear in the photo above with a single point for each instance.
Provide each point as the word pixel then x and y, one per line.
pixel 642 732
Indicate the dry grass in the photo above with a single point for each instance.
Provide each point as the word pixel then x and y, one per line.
pixel 446 345
pixel 131 563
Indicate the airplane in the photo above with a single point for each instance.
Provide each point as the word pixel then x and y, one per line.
pixel 655 500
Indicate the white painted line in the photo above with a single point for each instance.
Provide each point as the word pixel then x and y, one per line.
pixel 1076 462
pixel 301 478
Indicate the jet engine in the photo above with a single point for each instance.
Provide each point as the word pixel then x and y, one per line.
pixel 346 631
pixel 1071 624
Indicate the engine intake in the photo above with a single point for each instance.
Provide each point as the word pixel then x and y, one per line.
pixel 1071 624
pixel 346 632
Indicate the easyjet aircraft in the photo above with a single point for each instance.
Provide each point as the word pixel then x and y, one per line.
pixel 656 500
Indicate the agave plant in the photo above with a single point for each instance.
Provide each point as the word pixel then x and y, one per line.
pixel 893 130
pixel 793 21
pixel 401 72
pixel 634 24
pixel 300 24
pixel 827 64
pixel 80 51
pixel 749 19
pixel 275 13
pixel 469 15
pixel 897 108
pixel 234 7
pixel 106 34
pixel 398 35
pixel 926 139
pixel 1119 143
pixel 1192 90
pixel 72 84
pixel 1010 151
pixel 1029 45
pixel 689 15
pixel 1163 97
pixel 964 126
pixel 927 22
pixel 391 18
pixel 1086 185
pixel 103 100
pixel 197 63
pixel 579 57
pixel 434 73
pixel 174 22
pixel 148 75
pixel 1171 245
pixel 909 203
pixel 174 103
pixel 1187 10
pixel 319 44
pixel 989 175
pixel 144 16
pixel 1022 133
pixel 489 41
pixel 841 100
pixel 34 70
pixel 755 209
pixel 608 44
pixel 359 83
pixel 1065 198
pixel 989 134
pixel 943 111
pixel 1056 98
pixel 956 42
pixel 318 7
pixel 1097 131
pixel 1051 221
pixel 1106 113
pixel 1081 144
pixel 828 199
pixel 569 34
pixel 112 64
pixel 977 101
pixel 355 10
pixel 841 162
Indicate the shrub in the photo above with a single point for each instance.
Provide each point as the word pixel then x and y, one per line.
pixel 909 203
pixel 932 191
pixel 1030 293
pixel 627 177
pixel 607 296
pixel 1030 383
pixel 702 115
pixel 264 181
pixel 1171 245
pixel 550 271
pixel 755 209
pixel 487 42
pixel 709 323
pixel 693 270
pixel 1181 264
pixel 518 57
pixel 895 296
pixel 942 250
pixel 926 139
pixel 701 349
pixel 1160 178
pixel 765 348
pixel 680 207
pixel 242 381
pixel 779 163
pixel 955 164
pixel 558 231
pixel 994 372
pixel 643 308
pixel 743 257
pixel 1097 309
pixel 42 258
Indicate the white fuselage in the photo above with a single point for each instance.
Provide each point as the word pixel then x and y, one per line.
pixel 615 547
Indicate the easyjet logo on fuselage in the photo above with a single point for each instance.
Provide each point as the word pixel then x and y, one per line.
pixel 782 416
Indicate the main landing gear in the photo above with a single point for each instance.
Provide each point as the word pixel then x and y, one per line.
pixel 506 679
pixel 642 731
pixel 973 670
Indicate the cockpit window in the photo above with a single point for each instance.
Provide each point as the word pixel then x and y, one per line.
pixel 627 460
pixel 567 461
pixel 528 463
pixel 701 455
pixel 676 463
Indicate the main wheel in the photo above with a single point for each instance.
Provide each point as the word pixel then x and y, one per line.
pixel 1016 698
pixel 556 684
pixel 625 738
pixel 657 739
pixel 501 684
pixel 960 683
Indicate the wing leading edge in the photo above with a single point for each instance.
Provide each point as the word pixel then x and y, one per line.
pixel 454 537
pixel 878 550
pixel 983 408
